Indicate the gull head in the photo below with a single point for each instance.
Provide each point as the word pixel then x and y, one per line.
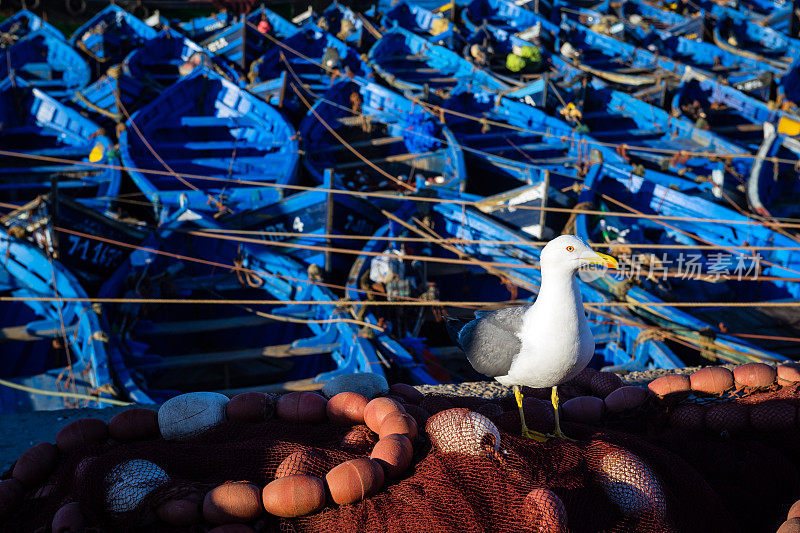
pixel 568 254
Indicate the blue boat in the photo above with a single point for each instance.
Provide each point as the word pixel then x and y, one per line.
pixel 166 349
pixel 773 189
pixel 661 19
pixel 21 24
pixel 146 72
pixel 418 68
pixel 46 62
pixel 746 74
pixel 667 274
pixel 475 268
pixel 210 145
pixel 413 17
pixel 111 35
pixel 615 61
pixel 639 132
pixel 504 15
pixel 87 243
pixel 244 41
pixel 46 143
pixel 737 34
pixel 310 59
pixel 200 28
pixel 393 133
pixel 724 110
pixel 344 24
pixel 317 227
pixel 49 346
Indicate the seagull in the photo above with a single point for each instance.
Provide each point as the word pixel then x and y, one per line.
pixel 543 344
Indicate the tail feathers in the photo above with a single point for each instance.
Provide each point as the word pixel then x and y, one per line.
pixel 454 327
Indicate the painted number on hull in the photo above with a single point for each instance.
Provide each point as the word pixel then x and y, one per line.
pixel 97 253
pixel 218 44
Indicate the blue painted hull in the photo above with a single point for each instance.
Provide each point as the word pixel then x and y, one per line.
pixel 216 134
pixel 47 141
pixel 401 137
pixel 62 349
pixel 109 36
pixel 47 63
pixel 21 24
pixel 778 267
pixel 413 65
pixel 164 350
pixel 146 72
pixel 296 61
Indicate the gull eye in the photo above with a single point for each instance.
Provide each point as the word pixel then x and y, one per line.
pixel 570 248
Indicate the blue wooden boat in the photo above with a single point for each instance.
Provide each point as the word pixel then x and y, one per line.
pixel 779 20
pixel 773 189
pixel 399 136
pixel 167 57
pixel 46 62
pixel 202 135
pixel 615 61
pixel 344 24
pixel 661 19
pixel 503 15
pixel 746 74
pixel 51 346
pixel 167 349
pixel 21 24
pixel 395 267
pixel 737 34
pixel 711 331
pixel 244 41
pixel 46 142
pixel 200 28
pixel 641 133
pixel 111 35
pixel 413 17
pixel 310 59
pixel 85 242
pixel 417 67
pixel 145 73
pixel 314 226
pixel 726 111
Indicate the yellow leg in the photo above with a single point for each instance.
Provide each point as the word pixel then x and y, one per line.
pixel 555 402
pixel 529 433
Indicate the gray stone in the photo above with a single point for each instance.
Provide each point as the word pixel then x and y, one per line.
pixel 366 383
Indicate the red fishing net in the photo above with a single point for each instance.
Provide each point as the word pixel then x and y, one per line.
pixel 654 469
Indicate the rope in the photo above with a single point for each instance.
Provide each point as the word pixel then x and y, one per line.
pixel 74 395
pixel 768 223
pixel 453 240
pixel 422 303
pixel 517 128
pixel 346 145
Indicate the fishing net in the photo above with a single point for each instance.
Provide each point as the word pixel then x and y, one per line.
pixel 657 468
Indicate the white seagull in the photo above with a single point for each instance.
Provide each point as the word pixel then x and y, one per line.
pixel 543 344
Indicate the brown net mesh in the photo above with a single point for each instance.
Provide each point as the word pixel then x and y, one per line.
pixel 647 470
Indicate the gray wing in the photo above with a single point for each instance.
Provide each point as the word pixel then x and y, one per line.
pixel 491 342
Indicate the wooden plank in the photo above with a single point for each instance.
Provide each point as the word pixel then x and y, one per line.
pixel 17 333
pixel 307 384
pixel 381 141
pixel 215 358
pixel 196 326
pixel 391 159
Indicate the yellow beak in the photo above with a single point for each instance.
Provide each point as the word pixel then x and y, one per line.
pixel 603 259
